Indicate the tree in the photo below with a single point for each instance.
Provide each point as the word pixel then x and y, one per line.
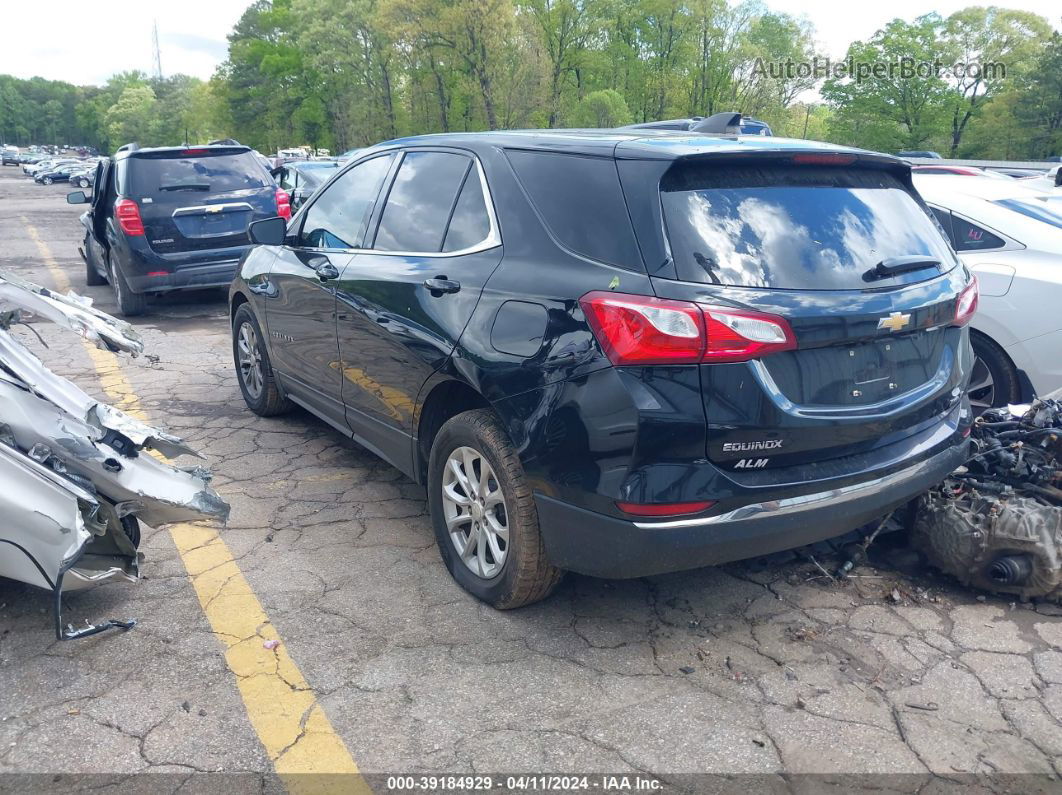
pixel 989 45
pixel 892 109
pixel 566 28
pixel 133 116
pixel 605 108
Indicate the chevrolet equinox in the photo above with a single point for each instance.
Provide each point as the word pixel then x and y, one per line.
pixel 619 353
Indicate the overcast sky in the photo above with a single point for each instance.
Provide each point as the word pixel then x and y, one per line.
pixel 115 35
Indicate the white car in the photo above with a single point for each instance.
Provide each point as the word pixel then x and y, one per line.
pixel 1047 181
pixel 1010 235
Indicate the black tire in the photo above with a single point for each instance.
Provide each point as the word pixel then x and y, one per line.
pixel 130 304
pixel 268 400
pixel 526 575
pixel 92 276
pixel 994 381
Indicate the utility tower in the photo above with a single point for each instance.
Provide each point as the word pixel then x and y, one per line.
pixel 155 48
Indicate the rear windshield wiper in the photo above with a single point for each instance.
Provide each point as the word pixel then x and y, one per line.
pixel 893 266
pixel 187 186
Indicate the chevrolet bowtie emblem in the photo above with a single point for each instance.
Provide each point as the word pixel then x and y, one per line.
pixel 216 209
pixel 894 322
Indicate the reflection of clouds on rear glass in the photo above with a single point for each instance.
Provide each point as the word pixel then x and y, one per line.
pixel 796 238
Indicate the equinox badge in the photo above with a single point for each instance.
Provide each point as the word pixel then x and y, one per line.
pixel 894 322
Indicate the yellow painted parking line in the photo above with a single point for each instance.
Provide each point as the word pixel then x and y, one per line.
pixel 305 750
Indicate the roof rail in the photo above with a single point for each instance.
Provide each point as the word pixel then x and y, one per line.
pixel 129 147
pixel 726 123
pixel 225 142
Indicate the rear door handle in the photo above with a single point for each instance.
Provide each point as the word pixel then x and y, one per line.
pixel 326 271
pixel 441 286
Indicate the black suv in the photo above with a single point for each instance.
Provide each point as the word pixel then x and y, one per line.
pixel 618 353
pixel 170 218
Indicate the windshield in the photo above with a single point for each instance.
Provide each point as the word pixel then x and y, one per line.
pixel 806 228
pixel 214 173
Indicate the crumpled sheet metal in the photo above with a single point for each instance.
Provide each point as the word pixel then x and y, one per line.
pixel 996 523
pixel 75 474
pixel 69 311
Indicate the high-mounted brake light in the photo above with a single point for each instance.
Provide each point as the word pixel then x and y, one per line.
pixel 966 304
pixel 283 204
pixel 823 159
pixel 641 330
pixel 659 509
pixel 194 151
pixel 128 214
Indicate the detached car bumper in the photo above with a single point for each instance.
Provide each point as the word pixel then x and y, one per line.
pixel 603 546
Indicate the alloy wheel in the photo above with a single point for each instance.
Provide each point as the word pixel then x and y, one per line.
pixel 982 389
pixel 250 360
pixel 475 512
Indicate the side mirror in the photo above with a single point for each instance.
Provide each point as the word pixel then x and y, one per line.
pixel 268 231
pixel 77 197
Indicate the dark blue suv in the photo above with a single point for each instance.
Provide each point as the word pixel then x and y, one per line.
pixel 172 218
pixel 618 352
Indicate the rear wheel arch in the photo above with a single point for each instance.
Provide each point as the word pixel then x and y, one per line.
pixel 1006 380
pixel 444 401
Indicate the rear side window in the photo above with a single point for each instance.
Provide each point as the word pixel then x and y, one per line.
pixel 793 227
pixel 581 202
pixel 420 201
pixel 160 176
pixel 338 217
pixel 971 237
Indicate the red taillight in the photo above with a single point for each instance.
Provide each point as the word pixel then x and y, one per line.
pixel 283 204
pixel 195 151
pixel 660 509
pixel 128 214
pixel 639 330
pixel 736 335
pixel 966 305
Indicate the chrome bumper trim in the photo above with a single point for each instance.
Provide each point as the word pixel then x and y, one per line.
pixel 797 505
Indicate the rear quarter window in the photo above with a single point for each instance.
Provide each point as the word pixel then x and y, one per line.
pixel 581 202
pixel 794 227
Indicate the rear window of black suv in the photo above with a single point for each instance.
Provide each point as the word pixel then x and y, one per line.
pixel 794 227
pixel 159 174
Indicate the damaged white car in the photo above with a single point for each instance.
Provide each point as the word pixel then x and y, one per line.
pixel 75 477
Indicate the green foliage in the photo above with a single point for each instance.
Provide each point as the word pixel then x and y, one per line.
pixel 345 73
pixel 605 108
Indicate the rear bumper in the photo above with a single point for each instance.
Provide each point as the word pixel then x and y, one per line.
pixel 191 277
pixel 603 546
pixel 148 272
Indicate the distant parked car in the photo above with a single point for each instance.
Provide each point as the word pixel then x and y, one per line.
pixel 959 171
pixel 84 179
pixel 1010 236
pixel 1047 181
pixel 1017 173
pixel 920 153
pixel 726 122
pixel 301 179
pixel 10 156
pixel 57 174
pixel 172 218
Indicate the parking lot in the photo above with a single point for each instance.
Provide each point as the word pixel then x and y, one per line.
pixel 385 666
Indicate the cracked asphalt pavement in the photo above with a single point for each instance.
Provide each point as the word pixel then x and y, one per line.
pixel 766 667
